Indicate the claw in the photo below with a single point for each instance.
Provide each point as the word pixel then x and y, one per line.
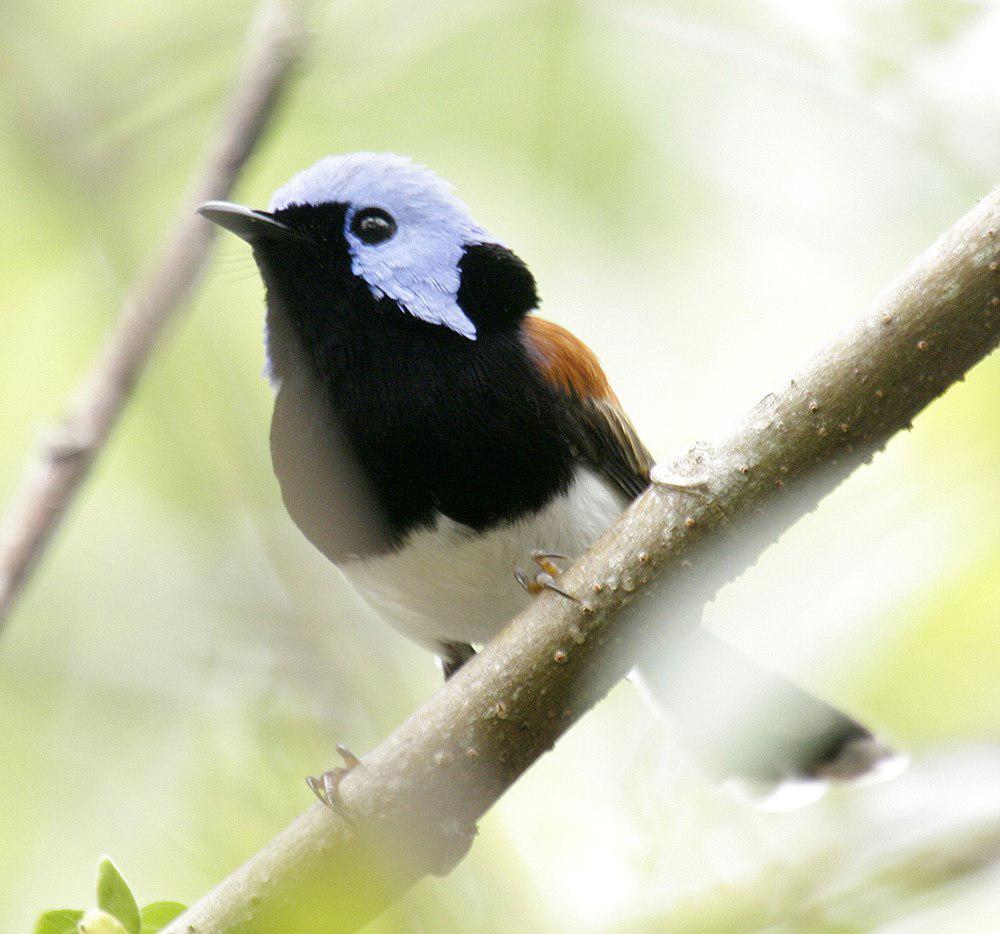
pixel 534 584
pixel 547 582
pixel 350 760
pixel 327 786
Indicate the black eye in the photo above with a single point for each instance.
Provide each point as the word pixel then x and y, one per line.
pixel 373 225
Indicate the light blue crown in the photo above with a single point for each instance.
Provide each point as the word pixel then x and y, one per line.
pixel 418 267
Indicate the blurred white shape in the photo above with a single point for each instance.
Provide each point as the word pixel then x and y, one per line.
pixel 786 796
pixel 883 764
pixel 886 769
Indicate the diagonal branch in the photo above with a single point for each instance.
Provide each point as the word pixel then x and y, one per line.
pixel 64 459
pixel 413 803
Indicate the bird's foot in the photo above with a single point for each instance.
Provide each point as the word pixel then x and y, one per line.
pixel 545 578
pixel 327 786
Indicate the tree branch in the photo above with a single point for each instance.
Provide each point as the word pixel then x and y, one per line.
pixel 63 461
pixel 413 803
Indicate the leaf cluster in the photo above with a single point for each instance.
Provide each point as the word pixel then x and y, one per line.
pixel 117 911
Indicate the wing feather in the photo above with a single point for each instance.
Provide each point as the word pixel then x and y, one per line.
pixel 602 433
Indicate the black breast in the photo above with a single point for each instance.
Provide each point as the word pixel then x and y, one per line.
pixel 391 421
pixel 384 421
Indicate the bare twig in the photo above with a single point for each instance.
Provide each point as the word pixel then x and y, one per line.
pixel 64 458
pixel 412 804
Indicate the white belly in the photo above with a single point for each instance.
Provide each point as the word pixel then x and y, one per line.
pixel 450 584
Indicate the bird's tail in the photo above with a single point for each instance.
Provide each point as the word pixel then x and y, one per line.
pixel 777 744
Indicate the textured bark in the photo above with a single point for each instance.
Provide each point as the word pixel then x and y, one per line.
pixel 413 803
pixel 65 456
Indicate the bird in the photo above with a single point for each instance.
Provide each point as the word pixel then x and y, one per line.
pixel 432 435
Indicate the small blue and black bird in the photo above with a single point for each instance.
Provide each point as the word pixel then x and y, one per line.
pixel 431 434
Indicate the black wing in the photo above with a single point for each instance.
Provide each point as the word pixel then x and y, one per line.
pixel 602 434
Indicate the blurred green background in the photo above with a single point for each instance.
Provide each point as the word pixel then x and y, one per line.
pixel 705 191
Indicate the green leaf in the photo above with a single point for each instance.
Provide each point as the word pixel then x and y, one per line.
pixel 115 897
pixel 58 921
pixel 157 915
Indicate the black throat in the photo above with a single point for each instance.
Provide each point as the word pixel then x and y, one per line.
pixel 437 423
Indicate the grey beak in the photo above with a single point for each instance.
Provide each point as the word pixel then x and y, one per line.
pixel 246 223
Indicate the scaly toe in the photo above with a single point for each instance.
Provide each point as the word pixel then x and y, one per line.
pixel 546 561
pixel 528 581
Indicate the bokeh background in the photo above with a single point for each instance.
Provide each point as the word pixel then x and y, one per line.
pixel 705 191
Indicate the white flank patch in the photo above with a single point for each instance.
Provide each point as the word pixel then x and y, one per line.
pixel 450 584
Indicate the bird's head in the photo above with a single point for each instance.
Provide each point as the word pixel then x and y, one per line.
pixel 375 235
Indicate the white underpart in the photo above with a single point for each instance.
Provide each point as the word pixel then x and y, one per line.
pixel 448 584
pixel 418 267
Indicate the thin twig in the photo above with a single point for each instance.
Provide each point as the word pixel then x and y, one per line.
pixel 413 802
pixel 65 455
